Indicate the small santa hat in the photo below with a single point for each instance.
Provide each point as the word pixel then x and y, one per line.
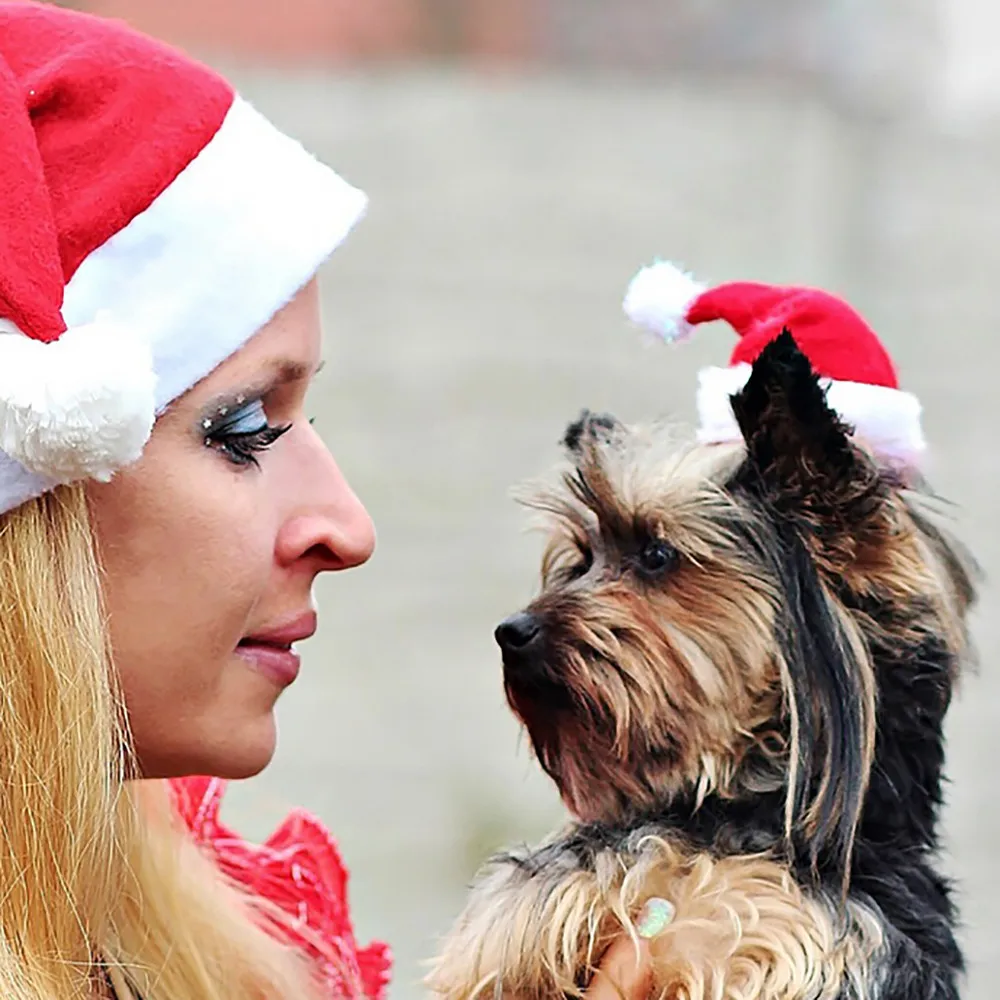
pixel 150 222
pixel 859 375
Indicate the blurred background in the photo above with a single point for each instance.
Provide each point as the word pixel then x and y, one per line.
pixel 523 159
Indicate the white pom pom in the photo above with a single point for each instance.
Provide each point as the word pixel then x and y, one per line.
pixel 659 297
pixel 81 407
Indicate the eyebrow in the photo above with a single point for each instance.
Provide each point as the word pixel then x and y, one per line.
pixel 285 372
pixel 281 372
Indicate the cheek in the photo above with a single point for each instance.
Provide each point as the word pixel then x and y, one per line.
pixel 186 563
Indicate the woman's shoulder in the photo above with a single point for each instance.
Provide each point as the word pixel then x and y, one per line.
pixel 298 870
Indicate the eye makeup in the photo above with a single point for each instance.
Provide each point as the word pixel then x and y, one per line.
pixel 236 424
pixel 222 410
pixel 238 428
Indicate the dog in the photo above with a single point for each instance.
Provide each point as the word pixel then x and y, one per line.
pixel 736 672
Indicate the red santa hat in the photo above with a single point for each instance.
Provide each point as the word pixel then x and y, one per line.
pixel 150 222
pixel 861 381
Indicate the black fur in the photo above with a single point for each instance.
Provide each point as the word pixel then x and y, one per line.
pixel 602 426
pixel 810 486
pixel 893 866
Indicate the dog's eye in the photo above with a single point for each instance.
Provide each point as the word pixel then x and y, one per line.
pixel 657 557
pixel 582 567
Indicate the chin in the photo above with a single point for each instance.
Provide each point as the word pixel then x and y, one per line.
pixel 247 750
pixel 248 766
pixel 250 756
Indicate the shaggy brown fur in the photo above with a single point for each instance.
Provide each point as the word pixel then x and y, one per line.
pixel 736 673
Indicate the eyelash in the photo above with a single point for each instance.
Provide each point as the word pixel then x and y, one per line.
pixel 242 447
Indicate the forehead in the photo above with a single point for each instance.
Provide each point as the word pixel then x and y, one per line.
pixel 647 483
pixel 657 469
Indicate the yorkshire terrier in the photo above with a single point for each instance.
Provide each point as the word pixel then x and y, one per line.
pixel 736 673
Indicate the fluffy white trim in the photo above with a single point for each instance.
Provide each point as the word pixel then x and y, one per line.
pixel 80 407
pixel 224 247
pixel 243 227
pixel 887 420
pixel 659 297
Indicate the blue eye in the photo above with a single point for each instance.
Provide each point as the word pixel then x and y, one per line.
pixel 241 432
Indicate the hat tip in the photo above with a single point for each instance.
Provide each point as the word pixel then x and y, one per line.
pixel 659 297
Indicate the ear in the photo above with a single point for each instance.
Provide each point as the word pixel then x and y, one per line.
pixel 796 444
pixel 591 428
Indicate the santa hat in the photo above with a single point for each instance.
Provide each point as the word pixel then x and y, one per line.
pixel 150 222
pixel 859 375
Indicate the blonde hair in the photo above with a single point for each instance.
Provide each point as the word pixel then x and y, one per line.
pixel 96 870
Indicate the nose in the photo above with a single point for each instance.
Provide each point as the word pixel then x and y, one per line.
pixel 347 540
pixel 519 634
pixel 339 539
pixel 329 527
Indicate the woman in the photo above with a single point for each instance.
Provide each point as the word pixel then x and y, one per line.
pixel 165 507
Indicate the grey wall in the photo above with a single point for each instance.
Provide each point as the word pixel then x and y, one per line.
pixel 478 308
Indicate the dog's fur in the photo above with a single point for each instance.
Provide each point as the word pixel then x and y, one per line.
pixel 744 661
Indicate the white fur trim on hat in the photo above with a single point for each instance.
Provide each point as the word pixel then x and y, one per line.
pixel 80 407
pixel 186 283
pixel 659 297
pixel 242 228
pixel 888 420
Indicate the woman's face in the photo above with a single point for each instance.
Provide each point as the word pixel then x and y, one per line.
pixel 210 545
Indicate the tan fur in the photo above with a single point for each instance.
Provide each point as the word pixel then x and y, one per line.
pixel 677 668
pixel 677 687
pixel 743 929
pixel 676 671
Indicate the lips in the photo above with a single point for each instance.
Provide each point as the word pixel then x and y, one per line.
pixel 283 634
pixel 270 652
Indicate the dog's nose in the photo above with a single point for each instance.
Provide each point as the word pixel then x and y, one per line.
pixel 519 633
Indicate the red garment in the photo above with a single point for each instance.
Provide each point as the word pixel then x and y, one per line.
pixel 299 869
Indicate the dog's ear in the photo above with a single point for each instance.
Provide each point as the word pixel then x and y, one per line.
pixel 789 429
pixel 798 449
pixel 595 428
